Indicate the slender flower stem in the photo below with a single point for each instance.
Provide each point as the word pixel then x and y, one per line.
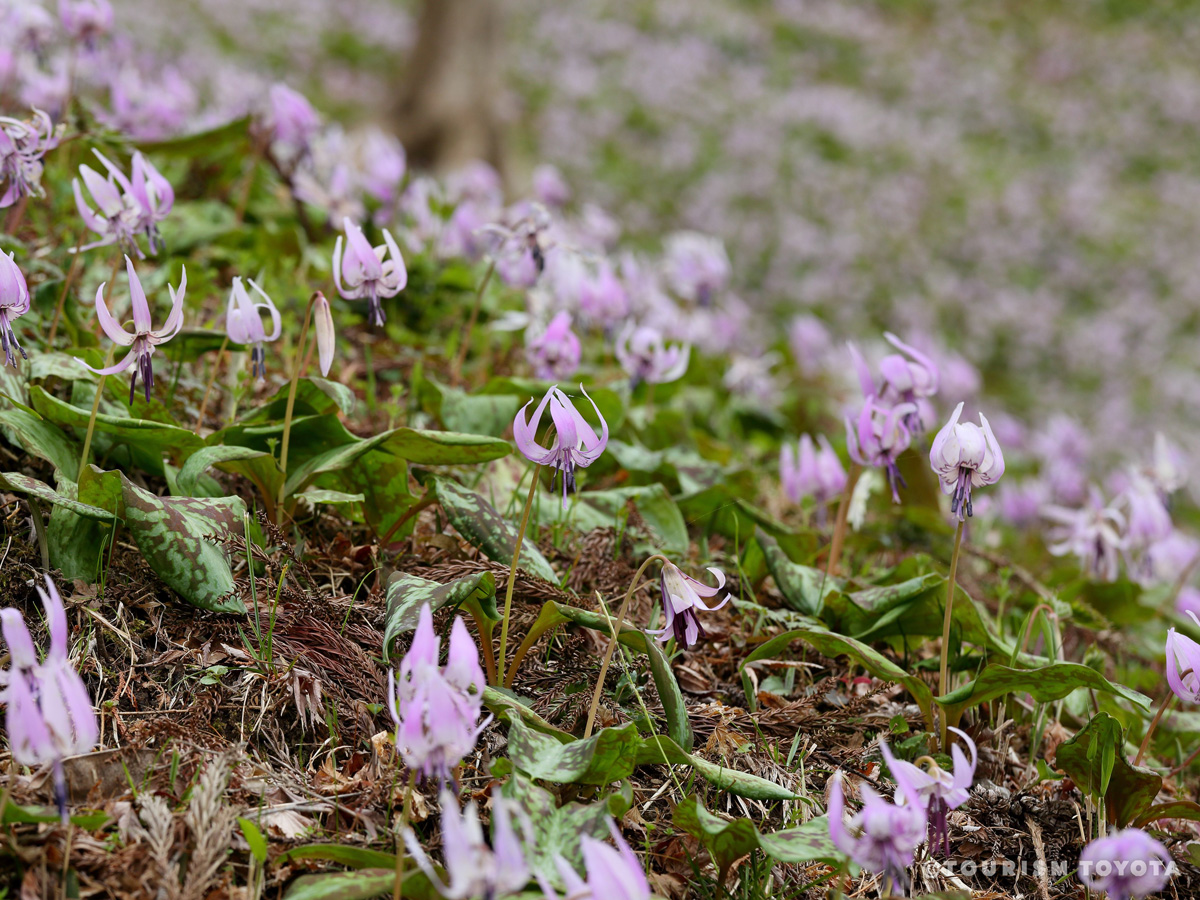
pixel 512 575
pixel 456 372
pixel 591 720
pixel 15 215
pixel 66 289
pixel 843 512
pixel 944 676
pixel 1183 765
pixel 212 378
pixel 297 368
pixel 87 441
pixel 1168 701
pixel 405 815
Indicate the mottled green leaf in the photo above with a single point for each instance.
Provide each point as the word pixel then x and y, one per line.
pixel 506 707
pixel 314 397
pixel 39 490
pixel 481 524
pixel 678 725
pixel 365 884
pixel 178 537
pixel 156 437
pixel 202 459
pixel 729 840
pixel 42 439
pixel 657 749
pixel 407 593
pixel 557 829
pixel 1172 809
pixel 345 854
pixel 608 755
pixel 725 840
pixel 1044 684
pixel 833 645
pixel 803 587
pixel 1095 760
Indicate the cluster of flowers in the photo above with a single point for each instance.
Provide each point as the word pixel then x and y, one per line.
pixel 436 709
pixel 50 714
pixel 884 837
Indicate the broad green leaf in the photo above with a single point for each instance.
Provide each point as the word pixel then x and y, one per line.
pixel 1172 809
pixel 178 537
pixel 729 840
pixel 506 707
pixel 314 397
pixel 156 437
pixel 554 613
pixel 39 490
pixel 345 854
pixel 202 459
pixel 315 496
pixel 460 411
pixel 192 343
pixel 14 814
pixel 1045 684
pixel 1095 760
pixel 722 509
pixel 804 588
pixel 42 439
pixel 726 841
pixel 833 645
pixel 77 543
pixel 482 525
pixel 56 364
pixel 809 842
pixel 557 829
pixel 608 755
pixel 668 533
pixel 364 884
pixel 407 593
pixel 659 750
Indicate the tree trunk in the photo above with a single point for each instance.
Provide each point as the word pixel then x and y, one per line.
pixel 448 111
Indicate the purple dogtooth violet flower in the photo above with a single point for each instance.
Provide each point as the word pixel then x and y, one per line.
pixel 1093 533
pixel 1168 469
pixel 811 473
pixel 612 873
pixel 1147 519
pixel 602 298
pixel 144 338
pixel 911 378
pixel 244 325
pixel 809 341
pixel 696 266
pixel 22 146
pixel 940 791
pixel 879 437
pixel 436 708
pixel 681 598
pixel 473 869
pixel 86 21
pixel 1126 865
pixel 1183 664
pixel 550 187
pixel 644 356
pixel 555 351
pixel 290 122
pixel 14 302
pixel 965 456
pixel 119 216
pixel 576 444
pixel 883 837
pixel 366 272
pixel 50 714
